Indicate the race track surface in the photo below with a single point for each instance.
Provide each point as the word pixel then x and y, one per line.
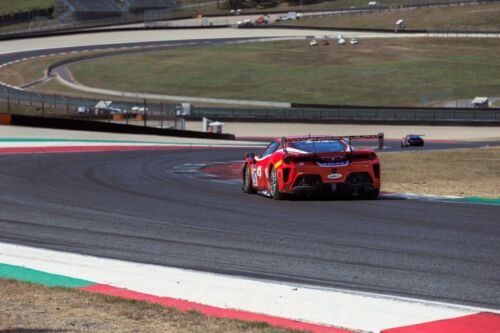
pixel 133 206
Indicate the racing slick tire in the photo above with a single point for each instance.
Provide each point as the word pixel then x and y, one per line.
pixel 247 181
pixel 371 195
pixel 274 185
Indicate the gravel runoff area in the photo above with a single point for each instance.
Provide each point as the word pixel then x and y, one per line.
pixel 390 131
pixel 460 172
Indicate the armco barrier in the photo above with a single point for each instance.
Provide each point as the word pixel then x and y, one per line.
pixel 64 106
pixel 97 126
pixel 488 117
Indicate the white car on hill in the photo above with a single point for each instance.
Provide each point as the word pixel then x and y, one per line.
pixel 139 109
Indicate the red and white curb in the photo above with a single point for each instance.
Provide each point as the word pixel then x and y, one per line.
pixel 327 309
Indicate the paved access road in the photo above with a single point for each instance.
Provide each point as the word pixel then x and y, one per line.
pixel 133 206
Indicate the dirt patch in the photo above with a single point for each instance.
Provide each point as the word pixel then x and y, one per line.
pixel 35 308
pixel 461 172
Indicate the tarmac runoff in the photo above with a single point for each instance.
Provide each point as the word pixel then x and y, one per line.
pixel 293 306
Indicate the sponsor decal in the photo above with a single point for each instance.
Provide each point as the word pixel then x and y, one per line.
pixel 278 164
pixel 254 175
pixel 334 176
pixel 259 171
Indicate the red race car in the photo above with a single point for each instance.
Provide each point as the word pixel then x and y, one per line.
pixel 313 165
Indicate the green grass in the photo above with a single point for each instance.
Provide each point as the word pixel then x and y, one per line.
pixel 13 6
pixel 375 72
pixel 472 17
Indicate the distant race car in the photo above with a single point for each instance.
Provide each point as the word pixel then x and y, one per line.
pixel 313 165
pixel 412 140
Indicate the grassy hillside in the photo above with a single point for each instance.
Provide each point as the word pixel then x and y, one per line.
pixel 403 71
pixel 472 17
pixel 9 6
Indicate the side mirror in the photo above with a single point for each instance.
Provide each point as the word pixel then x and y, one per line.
pixel 251 156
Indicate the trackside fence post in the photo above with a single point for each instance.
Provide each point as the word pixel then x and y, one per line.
pixel 161 115
pixel 145 113
pixel 8 100
pixel 381 141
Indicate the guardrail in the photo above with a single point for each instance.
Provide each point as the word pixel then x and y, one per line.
pixel 357 114
pixel 146 114
pixel 158 113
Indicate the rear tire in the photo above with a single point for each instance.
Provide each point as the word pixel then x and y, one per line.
pixel 274 185
pixel 247 181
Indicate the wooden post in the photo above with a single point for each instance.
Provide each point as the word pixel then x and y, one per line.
pixel 145 113
pixel 161 104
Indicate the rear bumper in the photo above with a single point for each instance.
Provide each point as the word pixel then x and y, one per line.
pixel 342 188
pixel 353 178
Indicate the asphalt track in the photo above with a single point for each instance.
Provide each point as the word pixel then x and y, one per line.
pixel 134 206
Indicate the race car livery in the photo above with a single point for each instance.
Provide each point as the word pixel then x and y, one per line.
pixel 313 165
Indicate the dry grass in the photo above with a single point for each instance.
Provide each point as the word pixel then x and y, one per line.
pixel 25 307
pixel 395 71
pixel 463 172
pixel 375 72
pixel 9 7
pixel 474 17
pixel 28 71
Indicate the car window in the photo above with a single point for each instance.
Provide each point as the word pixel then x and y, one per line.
pixel 318 146
pixel 273 146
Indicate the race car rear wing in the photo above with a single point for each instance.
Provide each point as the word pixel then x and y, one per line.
pixel 379 136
